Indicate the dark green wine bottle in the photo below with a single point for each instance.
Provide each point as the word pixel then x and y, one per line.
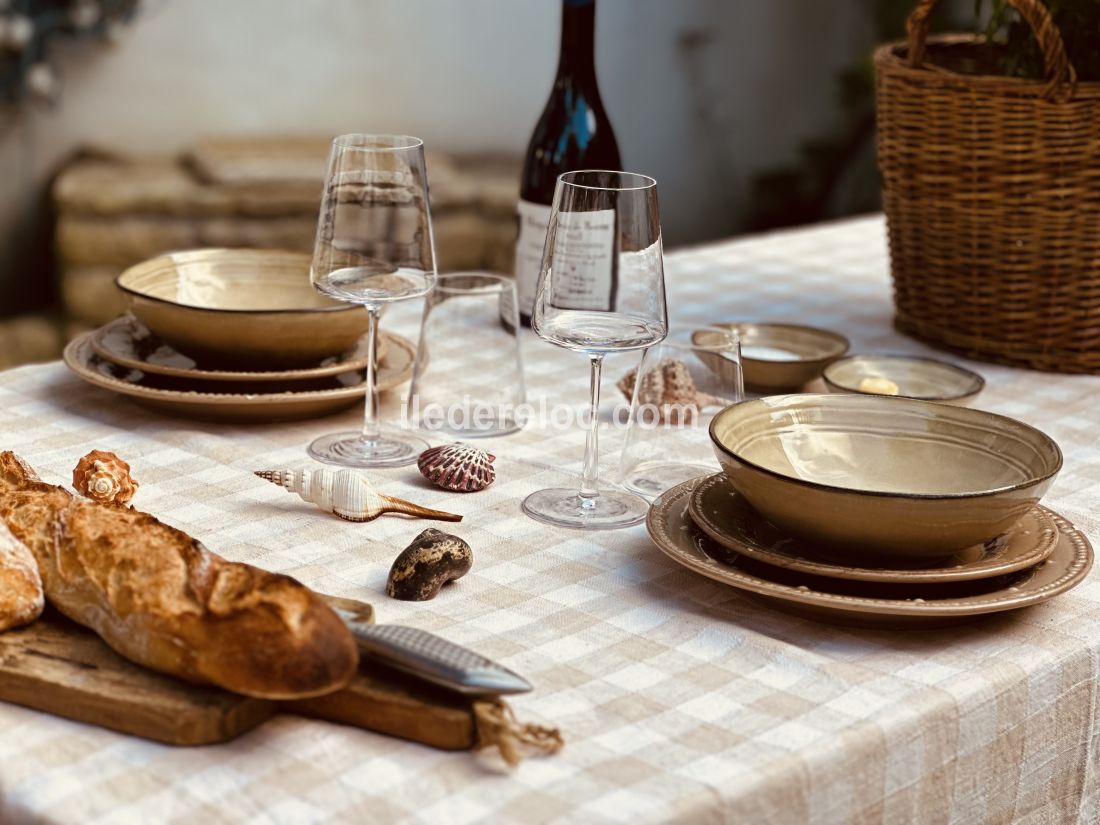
pixel 572 133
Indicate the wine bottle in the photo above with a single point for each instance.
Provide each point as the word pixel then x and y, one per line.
pixel 572 133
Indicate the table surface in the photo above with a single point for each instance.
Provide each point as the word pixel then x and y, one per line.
pixel 677 696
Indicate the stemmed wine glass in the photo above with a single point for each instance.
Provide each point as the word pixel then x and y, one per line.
pixel 374 246
pixel 601 289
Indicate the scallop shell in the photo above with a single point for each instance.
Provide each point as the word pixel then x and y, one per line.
pixel 669 387
pixel 104 477
pixel 347 494
pixel 459 467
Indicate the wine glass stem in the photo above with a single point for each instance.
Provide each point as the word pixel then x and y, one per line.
pixel 590 477
pixel 370 415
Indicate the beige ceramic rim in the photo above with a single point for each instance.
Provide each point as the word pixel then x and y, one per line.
pixel 79 352
pixel 978 382
pixel 299 258
pixel 835 488
pixel 356 361
pixel 670 526
pixel 982 568
pixel 839 343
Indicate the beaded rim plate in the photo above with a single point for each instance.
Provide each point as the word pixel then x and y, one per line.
pixel 869 604
pixel 727 518
pixel 395 369
pixel 127 342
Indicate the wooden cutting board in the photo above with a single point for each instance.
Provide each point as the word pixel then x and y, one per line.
pixel 59 667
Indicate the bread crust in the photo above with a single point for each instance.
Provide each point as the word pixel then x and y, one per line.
pixel 21 597
pixel 163 600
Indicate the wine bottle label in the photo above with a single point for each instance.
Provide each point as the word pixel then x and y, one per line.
pixel 533 218
pixel 584 260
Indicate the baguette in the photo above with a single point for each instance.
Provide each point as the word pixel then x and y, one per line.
pixel 21 598
pixel 162 600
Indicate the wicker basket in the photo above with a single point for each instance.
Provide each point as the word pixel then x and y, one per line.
pixel 991 187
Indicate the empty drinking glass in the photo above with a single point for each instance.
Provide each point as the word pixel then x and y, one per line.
pixel 468 378
pixel 684 381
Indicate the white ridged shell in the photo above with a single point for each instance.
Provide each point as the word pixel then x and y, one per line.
pixel 347 494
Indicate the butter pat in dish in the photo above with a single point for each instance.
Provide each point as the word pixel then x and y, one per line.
pixel 926 379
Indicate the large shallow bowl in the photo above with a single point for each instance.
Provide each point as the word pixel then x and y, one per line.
pixel 777 357
pixel 927 379
pixel 241 308
pixel 877 475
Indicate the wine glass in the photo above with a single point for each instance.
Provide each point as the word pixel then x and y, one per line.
pixel 374 246
pixel 601 289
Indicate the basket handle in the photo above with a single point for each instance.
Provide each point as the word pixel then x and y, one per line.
pixel 1058 69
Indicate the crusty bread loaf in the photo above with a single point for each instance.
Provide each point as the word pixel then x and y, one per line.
pixel 161 599
pixel 21 599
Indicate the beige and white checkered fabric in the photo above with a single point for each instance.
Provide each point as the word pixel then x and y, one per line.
pixel 679 699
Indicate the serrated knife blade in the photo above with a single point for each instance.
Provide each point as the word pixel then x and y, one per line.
pixel 427 656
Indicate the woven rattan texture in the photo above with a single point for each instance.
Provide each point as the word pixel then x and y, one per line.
pixel 991 188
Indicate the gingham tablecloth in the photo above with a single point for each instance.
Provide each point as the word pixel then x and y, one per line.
pixel 679 699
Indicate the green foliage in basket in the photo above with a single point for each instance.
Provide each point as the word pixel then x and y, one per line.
pixel 1016 52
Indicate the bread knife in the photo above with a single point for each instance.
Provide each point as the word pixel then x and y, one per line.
pixel 425 655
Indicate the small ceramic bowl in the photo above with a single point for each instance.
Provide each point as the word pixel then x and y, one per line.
pixel 926 379
pixel 253 308
pixel 778 357
pixel 881 476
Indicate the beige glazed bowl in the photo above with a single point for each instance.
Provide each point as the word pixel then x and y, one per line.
pixel 879 476
pixel 927 379
pixel 251 308
pixel 778 357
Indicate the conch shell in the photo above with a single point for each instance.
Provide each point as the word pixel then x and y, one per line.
pixel 104 477
pixel 347 494
pixel 669 387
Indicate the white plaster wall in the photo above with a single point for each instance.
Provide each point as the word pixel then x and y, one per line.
pixel 467 75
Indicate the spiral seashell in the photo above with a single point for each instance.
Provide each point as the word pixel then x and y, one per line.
pixel 459 467
pixel 348 494
pixel 669 387
pixel 104 477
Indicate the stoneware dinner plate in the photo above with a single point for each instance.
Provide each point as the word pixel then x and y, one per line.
pixel 129 343
pixel 879 475
pixel 727 518
pixel 79 357
pixel 865 604
pixel 927 379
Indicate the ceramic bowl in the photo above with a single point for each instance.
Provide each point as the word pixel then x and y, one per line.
pixel 241 308
pixel 927 379
pixel 874 475
pixel 778 357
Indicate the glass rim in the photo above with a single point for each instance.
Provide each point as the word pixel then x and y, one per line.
pixel 494 283
pixel 644 181
pixel 355 141
pixel 731 338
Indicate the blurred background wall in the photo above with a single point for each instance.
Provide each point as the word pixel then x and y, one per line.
pixel 706 95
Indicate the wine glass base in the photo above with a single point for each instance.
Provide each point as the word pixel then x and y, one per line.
pixel 351 449
pixel 653 478
pixel 564 507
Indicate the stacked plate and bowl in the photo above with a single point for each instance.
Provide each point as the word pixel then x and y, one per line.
pixel 235 335
pixel 875 511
